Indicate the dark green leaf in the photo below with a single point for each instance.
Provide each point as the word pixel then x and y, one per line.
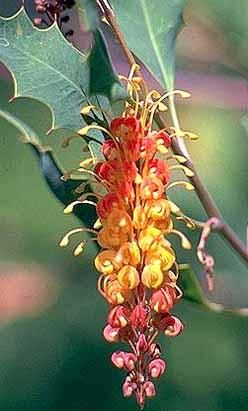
pixel 45 67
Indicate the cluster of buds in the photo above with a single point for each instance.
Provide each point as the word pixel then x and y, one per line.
pixel 137 263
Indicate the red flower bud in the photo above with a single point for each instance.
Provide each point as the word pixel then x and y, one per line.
pixel 147 147
pixel 124 127
pixel 160 169
pixel 107 170
pixel 106 204
pixel 118 316
pixel 109 149
pixel 173 326
pixel 163 139
pixel 141 345
pixel 162 300
pixel 138 317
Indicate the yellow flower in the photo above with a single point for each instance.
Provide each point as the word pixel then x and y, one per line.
pixel 128 277
pixel 148 237
pixel 157 209
pixel 152 276
pixel 129 253
pixel 105 262
pixel 162 255
pixel 111 289
pixel 115 293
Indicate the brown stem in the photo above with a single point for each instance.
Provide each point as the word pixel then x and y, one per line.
pixel 179 148
pixel 110 17
pixel 205 259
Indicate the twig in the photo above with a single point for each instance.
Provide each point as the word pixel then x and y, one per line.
pixel 179 148
pixel 205 259
pixel 110 17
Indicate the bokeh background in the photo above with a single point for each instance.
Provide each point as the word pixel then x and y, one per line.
pixel 52 354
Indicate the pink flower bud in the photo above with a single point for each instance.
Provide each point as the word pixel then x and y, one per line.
pixel 156 368
pixel 128 388
pixel 130 360
pixel 174 326
pixel 141 345
pixel 155 350
pixel 118 316
pixel 117 359
pixel 111 334
pixel 149 389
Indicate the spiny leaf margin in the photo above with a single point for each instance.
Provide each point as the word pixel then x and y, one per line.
pixel 46 67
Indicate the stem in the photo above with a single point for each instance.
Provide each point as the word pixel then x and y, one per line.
pixel 110 17
pixel 179 148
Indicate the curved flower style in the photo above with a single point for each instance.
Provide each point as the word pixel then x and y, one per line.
pixel 137 263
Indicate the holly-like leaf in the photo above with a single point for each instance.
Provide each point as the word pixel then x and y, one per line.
pixel 192 291
pixel 150 29
pixel 45 66
pixel 64 190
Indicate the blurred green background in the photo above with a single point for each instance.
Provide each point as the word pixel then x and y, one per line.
pixel 52 354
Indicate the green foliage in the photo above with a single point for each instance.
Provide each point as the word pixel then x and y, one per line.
pixel 48 68
pixel 150 29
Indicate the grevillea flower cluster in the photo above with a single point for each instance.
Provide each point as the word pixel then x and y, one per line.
pixel 137 264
